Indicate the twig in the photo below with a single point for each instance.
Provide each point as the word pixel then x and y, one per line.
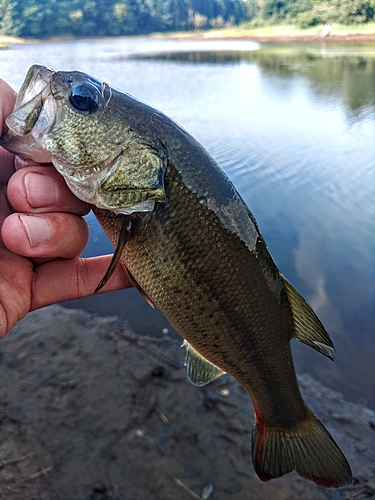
pixel 161 415
pixel 184 487
pixel 15 460
pixel 363 487
pixel 41 472
pixel 358 494
pixel 45 380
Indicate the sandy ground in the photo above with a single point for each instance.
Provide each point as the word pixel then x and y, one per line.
pixel 289 38
pixel 216 35
pixel 301 39
pixel 89 411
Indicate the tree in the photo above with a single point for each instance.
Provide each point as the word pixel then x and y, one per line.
pixel 199 21
pixel 46 18
pixel 9 21
pixel 272 9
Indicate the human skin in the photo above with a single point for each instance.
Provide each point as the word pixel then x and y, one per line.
pixel 42 235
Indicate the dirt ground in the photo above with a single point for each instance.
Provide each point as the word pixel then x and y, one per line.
pixel 361 38
pixel 89 411
pixel 356 37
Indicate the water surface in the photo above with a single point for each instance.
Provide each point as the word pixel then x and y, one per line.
pixel 294 128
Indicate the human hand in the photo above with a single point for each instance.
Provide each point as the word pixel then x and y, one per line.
pixel 42 235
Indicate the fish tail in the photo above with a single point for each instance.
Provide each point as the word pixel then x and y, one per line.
pixel 307 449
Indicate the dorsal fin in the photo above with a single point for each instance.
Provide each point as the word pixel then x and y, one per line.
pixel 308 329
pixel 199 370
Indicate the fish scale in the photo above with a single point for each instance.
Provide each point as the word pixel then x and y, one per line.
pixel 230 304
pixel 189 243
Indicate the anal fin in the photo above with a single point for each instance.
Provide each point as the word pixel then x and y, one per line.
pixel 308 329
pixel 199 370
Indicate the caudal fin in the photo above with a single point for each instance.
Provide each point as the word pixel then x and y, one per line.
pixel 307 449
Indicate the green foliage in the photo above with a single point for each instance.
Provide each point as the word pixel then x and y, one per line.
pixel 307 19
pixel 306 13
pixel 45 18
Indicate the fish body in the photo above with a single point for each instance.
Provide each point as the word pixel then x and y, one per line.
pixel 192 247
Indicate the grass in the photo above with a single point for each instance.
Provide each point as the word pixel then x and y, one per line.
pixel 361 29
pixel 248 30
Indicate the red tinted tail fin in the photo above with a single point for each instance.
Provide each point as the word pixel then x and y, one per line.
pixel 307 449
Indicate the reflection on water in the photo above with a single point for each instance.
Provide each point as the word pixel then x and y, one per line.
pixel 331 71
pixel 350 76
pixel 198 57
pixel 294 128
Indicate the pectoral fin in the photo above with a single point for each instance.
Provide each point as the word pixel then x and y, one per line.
pixel 125 233
pixel 307 327
pixel 199 370
pixel 138 287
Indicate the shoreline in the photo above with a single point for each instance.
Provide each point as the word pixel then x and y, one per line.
pixel 254 35
pixel 88 406
pixel 299 38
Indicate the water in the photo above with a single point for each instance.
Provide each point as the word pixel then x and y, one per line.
pixel 294 128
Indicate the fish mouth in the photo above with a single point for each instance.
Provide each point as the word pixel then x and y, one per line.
pixel 33 115
pixel 37 79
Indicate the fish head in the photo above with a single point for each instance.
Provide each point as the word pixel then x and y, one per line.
pixel 33 95
pixel 82 126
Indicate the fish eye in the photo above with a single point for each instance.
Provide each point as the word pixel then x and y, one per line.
pixel 85 97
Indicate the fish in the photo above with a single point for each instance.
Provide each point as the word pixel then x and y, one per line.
pixel 188 242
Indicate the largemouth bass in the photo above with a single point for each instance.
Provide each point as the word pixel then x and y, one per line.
pixel 191 246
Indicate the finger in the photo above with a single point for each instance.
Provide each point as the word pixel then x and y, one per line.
pixel 22 163
pixel 7 100
pixel 73 279
pixel 52 235
pixel 6 165
pixel 39 189
pixel 4 207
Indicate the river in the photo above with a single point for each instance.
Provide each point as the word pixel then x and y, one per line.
pixel 293 125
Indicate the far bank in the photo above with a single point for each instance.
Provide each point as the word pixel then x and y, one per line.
pixel 364 33
pixel 284 33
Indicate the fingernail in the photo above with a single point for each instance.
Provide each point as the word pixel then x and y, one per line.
pixel 37 228
pixel 41 190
